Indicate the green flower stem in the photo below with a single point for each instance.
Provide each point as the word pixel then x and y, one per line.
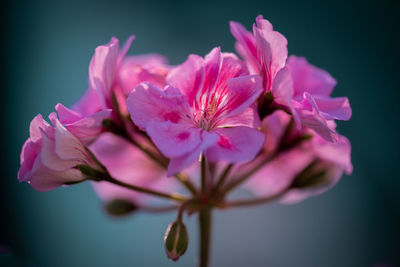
pixel 205 234
pixel 203 175
pixel 222 179
pixel 252 202
pixel 152 209
pixel 185 180
pixel 175 197
pixel 204 217
pixel 238 181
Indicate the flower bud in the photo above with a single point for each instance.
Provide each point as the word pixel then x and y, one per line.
pixel 314 175
pixel 176 240
pixel 119 207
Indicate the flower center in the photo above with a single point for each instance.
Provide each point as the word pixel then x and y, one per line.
pixel 204 119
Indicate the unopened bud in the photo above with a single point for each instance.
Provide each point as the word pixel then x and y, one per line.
pixel 176 240
pixel 91 173
pixel 315 174
pixel 120 207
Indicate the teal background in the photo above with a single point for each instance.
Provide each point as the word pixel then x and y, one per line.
pixel 46 48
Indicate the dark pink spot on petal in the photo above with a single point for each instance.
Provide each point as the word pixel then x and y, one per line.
pixel 172 116
pixel 225 143
pixel 183 136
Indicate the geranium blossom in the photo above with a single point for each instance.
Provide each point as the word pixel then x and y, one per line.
pixel 151 68
pixel 113 74
pixel 50 156
pixel 278 175
pixel 265 52
pixel 300 87
pixel 206 108
pixel 267 123
pixel 85 128
pixel 311 99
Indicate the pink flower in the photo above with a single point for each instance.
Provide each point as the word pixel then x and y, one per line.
pixel 150 68
pixel 85 128
pixel 297 86
pixel 265 52
pixel 103 71
pixel 330 158
pixel 312 101
pixel 111 74
pixel 50 156
pixel 104 67
pixel 128 164
pixel 208 107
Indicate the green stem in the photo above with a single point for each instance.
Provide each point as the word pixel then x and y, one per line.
pixel 252 202
pixel 222 178
pixel 205 234
pixel 175 197
pixel 184 179
pixel 162 209
pixel 203 175
pixel 233 184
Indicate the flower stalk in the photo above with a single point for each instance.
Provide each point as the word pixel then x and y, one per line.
pixel 205 235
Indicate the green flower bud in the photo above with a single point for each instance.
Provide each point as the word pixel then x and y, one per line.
pixel 120 207
pixel 314 175
pixel 92 173
pixel 176 240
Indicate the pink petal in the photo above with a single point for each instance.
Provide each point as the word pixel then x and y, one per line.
pixel 86 129
pixel 333 108
pixel 277 46
pixel 274 127
pixel 243 92
pixel 102 70
pixel 37 125
pixel 89 103
pixel 282 90
pixel 174 140
pixel 29 154
pixel 128 164
pixel 249 118
pixel 51 160
pixel 179 163
pixel 314 121
pixel 143 68
pixel 313 118
pixel 264 57
pixel 246 46
pixel 188 77
pixel 212 66
pixel 125 49
pixel 279 174
pixel 148 103
pixel 68 147
pixel 237 144
pixel 338 153
pixel 45 179
pixel 308 78
pixel 231 67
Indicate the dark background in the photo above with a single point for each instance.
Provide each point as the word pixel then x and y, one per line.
pixel 46 48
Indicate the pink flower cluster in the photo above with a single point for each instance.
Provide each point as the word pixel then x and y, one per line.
pixel 269 116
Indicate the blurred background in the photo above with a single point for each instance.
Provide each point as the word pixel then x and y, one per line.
pixel 47 46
